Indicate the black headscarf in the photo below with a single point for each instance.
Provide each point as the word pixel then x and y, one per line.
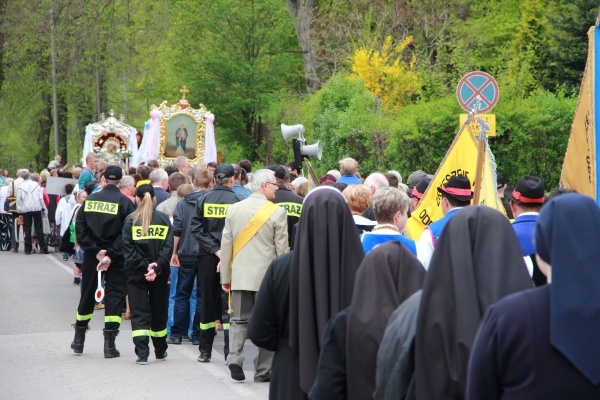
pixel 327 253
pixel 567 237
pixel 477 261
pixel 387 276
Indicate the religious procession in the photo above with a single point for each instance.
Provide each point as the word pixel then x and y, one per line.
pixel 431 278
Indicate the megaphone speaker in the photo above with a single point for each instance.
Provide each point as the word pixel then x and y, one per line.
pixel 313 150
pixel 290 131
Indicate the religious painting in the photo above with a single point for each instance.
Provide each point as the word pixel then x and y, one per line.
pixel 182 131
pixel 181 136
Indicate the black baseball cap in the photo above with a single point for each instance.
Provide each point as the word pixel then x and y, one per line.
pixel 113 173
pixel 224 171
pixel 278 170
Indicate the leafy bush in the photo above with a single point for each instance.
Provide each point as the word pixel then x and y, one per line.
pixel 347 119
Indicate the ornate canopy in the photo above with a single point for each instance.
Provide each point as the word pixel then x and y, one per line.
pixel 110 137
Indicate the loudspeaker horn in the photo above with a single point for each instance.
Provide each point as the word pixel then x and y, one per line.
pixel 290 131
pixel 314 150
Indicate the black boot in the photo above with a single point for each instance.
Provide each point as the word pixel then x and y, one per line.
pixel 110 351
pixel 77 344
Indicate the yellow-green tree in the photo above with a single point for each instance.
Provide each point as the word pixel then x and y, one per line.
pixel 385 73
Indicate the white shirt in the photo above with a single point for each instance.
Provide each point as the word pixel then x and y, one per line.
pixel 3 195
pixel 425 248
pixel 64 212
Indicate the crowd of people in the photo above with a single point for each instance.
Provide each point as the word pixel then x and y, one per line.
pixel 341 304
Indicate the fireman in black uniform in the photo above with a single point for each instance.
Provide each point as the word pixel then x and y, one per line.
pixel 286 198
pixel 207 227
pixel 147 247
pixel 98 232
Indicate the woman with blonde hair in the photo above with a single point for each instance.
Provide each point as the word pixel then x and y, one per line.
pixel 147 245
pixel 359 199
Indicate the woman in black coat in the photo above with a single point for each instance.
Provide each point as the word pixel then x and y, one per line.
pixel 147 246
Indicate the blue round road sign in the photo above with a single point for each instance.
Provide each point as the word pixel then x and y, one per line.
pixel 477 84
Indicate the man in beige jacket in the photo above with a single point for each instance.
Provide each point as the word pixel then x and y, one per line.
pixel 244 273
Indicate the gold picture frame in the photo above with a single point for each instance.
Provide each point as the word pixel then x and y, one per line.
pixel 182 132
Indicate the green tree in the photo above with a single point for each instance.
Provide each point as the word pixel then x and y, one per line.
pixel 234 58
pixel 569 22
pixel 525 68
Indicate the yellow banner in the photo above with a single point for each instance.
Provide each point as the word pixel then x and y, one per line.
pixel 579 166
pixel 460 159
pixel 474 128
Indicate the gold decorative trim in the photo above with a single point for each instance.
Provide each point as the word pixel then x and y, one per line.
pixel 198 116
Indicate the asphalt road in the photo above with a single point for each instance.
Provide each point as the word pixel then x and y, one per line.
pixel 37 307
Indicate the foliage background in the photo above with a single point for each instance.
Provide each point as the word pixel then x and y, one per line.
pixel 383 75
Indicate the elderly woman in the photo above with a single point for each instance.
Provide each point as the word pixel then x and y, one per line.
pixel 298 183
pixel 390 206
pixel 359 199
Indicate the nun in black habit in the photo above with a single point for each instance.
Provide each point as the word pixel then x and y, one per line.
pixel 303 289
pixel 327 254
pixel 269 329
pixel 476 262
pixel 388 275
pixel 544 343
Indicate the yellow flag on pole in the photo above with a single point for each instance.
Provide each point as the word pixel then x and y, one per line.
pixel 460 159
pixel 580 164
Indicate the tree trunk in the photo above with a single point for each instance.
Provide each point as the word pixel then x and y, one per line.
pixel 301 10
pixel 45 122
pixel 62 126
pixel 2 12
pixel 264 135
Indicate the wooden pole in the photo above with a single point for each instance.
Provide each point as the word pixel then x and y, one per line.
pixel 483 128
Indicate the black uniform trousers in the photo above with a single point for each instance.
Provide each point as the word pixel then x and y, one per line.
pixel 208 279
pixel 149 302
pixel 33 219
pixel 225 321
pixel 115 291
pixel 15 234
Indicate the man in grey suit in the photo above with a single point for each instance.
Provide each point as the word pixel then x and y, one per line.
pixel 243 269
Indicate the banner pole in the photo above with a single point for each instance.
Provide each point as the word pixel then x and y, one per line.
pixel 481 140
